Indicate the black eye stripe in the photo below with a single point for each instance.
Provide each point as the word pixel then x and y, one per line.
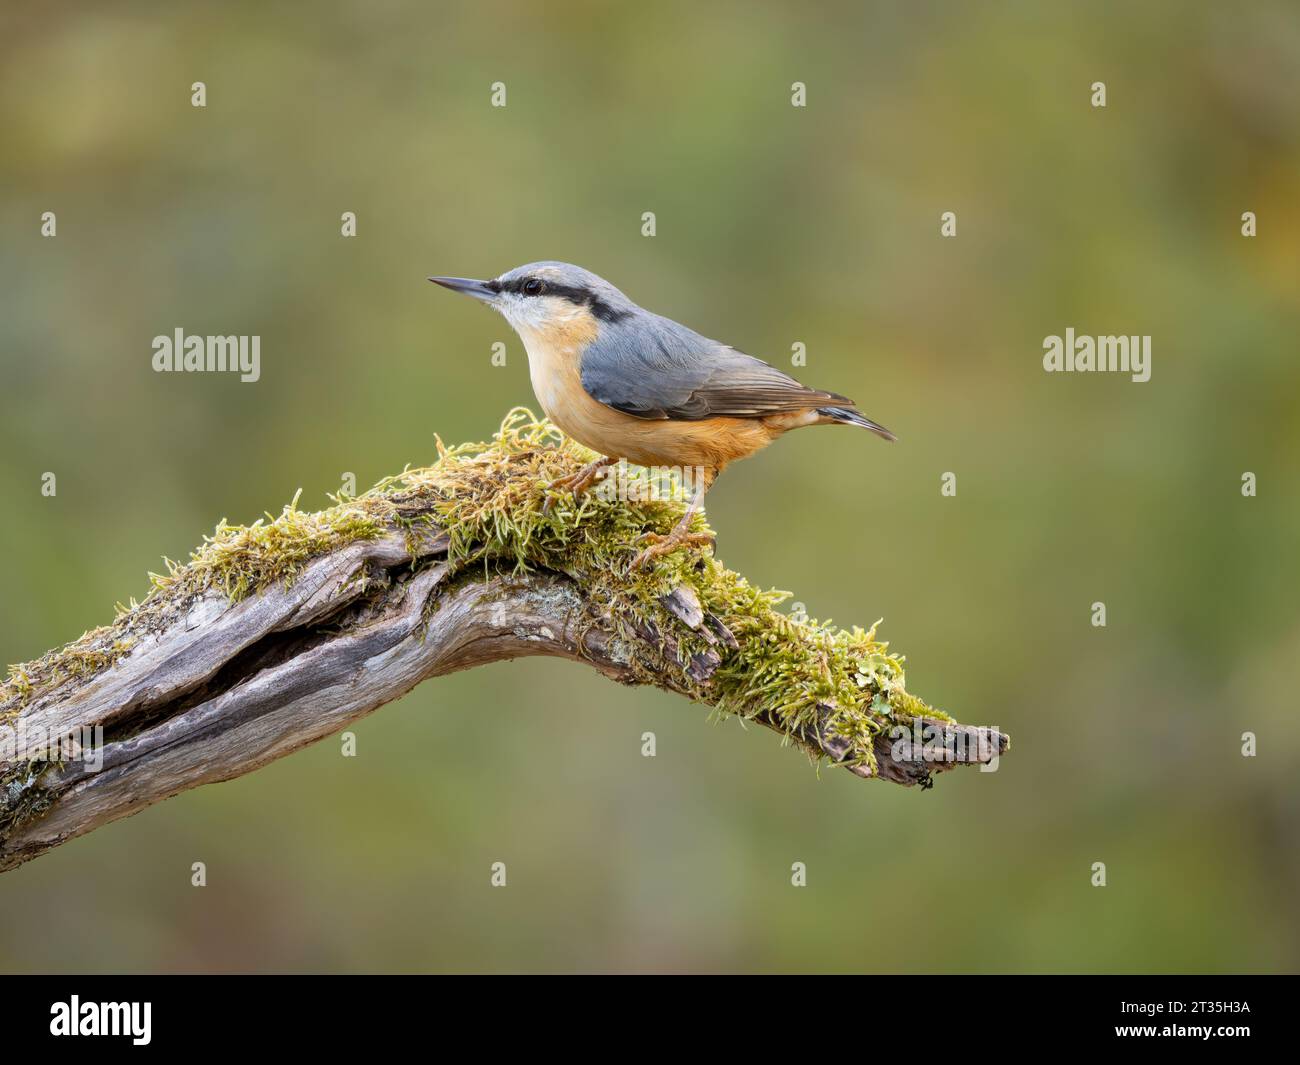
pixel 575 294
pixel 516 285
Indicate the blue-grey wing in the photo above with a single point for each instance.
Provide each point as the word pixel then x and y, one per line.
pixel 653 367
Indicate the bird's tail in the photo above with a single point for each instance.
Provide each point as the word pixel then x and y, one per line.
pixel 852 416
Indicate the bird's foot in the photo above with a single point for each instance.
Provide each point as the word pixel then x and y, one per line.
pixel 577 483
pixel 662 545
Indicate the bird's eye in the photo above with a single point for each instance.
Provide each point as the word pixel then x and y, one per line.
pixel 533 287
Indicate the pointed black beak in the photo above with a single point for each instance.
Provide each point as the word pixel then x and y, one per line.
pixel 480 290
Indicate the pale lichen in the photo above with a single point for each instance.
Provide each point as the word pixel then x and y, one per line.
pixel 21 799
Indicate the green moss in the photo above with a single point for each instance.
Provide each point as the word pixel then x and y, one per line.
pixel 242 559
pixel 236 559
pixel 490 499
pixel 94 651
pixel 493 501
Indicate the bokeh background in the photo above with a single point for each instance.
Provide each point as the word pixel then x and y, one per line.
pixel 774 225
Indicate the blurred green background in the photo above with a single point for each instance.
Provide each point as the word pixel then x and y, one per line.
pixel 775 225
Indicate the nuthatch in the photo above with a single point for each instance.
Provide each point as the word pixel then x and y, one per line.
pixel 632 385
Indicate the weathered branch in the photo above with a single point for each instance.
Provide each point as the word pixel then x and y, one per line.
pixel 193 686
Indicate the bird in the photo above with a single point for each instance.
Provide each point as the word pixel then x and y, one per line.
pixel 632 385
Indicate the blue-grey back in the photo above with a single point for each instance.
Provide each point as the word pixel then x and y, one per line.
pixel 652 367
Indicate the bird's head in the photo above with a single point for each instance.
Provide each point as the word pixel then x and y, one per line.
pixel 547 296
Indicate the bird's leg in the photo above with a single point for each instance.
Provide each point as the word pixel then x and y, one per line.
pixel 681 534
pixel 579 482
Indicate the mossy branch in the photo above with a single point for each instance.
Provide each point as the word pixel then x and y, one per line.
pixel 278 634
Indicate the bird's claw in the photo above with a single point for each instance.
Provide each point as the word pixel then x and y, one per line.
pixel 658 544
pixel 555 492
pixel 562 484
pixel 577 483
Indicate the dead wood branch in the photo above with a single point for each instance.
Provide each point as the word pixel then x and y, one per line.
pixel 194 686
